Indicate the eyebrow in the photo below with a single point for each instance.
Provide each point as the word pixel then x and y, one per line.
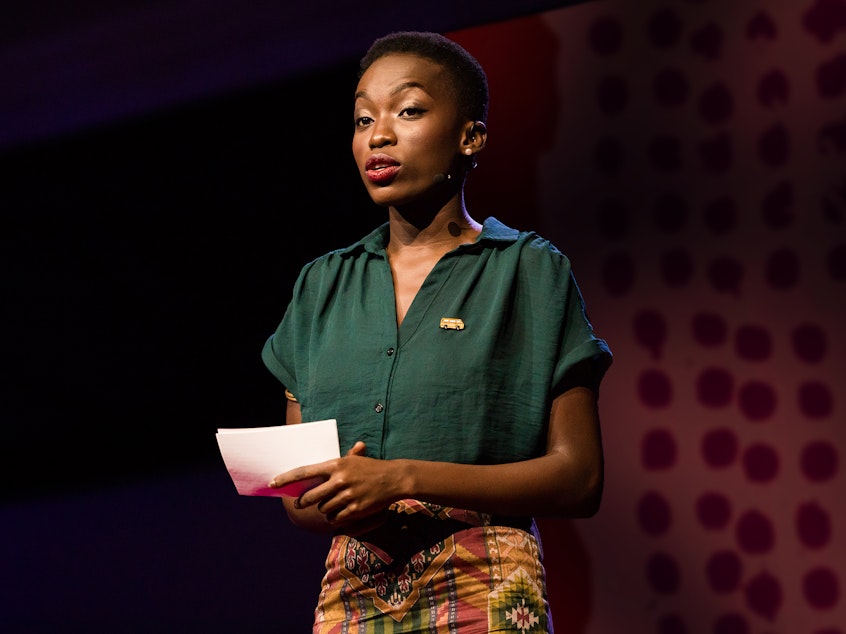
pixel 396 90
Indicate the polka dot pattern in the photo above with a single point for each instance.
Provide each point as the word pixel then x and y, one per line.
pixel 716 147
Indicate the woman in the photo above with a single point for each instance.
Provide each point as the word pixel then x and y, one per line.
pixel 459 364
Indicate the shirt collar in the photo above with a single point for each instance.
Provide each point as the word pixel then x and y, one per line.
pixel 377 240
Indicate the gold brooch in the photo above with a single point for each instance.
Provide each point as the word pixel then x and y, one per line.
pixel 452 323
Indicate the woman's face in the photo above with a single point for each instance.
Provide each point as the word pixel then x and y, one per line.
pixel 408 131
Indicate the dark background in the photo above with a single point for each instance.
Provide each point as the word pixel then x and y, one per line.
pixel 148 261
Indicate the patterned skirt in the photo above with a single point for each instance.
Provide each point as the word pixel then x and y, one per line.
pixel 436 570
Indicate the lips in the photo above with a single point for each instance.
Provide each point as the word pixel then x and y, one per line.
pixel 381 168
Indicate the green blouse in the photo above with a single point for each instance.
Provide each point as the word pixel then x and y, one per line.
pixel 497 330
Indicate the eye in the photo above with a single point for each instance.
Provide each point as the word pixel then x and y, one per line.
pixel 363 121
pixel 411 112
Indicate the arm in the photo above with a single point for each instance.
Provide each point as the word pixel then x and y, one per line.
pixel 566 481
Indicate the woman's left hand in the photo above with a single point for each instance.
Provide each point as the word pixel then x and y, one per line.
pixel 355 488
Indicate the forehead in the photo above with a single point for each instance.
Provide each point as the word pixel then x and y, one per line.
pixel 397 70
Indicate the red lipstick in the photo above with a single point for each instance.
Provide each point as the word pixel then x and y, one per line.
pixel 381 169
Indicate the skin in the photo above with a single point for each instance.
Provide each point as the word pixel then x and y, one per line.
pixel 405 108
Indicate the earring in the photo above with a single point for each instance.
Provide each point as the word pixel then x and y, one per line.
pixel 468 151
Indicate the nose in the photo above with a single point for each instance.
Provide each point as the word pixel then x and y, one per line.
pixel 381 133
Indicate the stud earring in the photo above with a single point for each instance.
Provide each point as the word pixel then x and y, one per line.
pixel 468 151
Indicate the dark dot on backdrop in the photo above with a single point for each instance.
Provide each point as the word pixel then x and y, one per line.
pixel 757 400
pixel 676 267
pixel 614 219
pixel 821 588
pixel 774 145
pixel 720 215
pixel 665 153
pixel 655 388
pixel 832 212
pixel 832 140
pixel 713 510
pixel 725 275
pixel 715 153
pixel 719 447
pixel 670 213
pixel 781 270
pixel 612 94
pixel 755 533
pixel 672 624
pixel 605 36
pixel 609 156
pixel 723 571
pixel 670 87
pixel 777 206
pixel 773 89
pixel 731 623
pixel 715 387
pixel 762 27
pixel 815 400
pixel 831 78
pixel 650 330
pixel 708 42
pixel 824 19
pixel 836 263
pixel 764 595
pixel 709 329
pixel 658 450
pixel 753 343
pixel 829 630
pixel 664 28
pixel 618 273
pixel 760 463
pixel 654 514
pixel 716 104
pixel 819 461
pixel 813 525
pixel 663 573
pixel 809 343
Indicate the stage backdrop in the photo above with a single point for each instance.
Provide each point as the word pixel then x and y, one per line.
pixel 690 158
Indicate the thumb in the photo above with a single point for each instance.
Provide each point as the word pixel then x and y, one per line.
pixel 357 449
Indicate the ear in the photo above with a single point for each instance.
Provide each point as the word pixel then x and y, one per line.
pixel 474 137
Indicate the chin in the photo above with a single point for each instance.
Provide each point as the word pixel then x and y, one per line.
pixel 385 198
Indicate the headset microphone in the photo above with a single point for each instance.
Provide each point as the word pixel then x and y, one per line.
pixel 441 178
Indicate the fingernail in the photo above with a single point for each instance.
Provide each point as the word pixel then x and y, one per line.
pixel 297 504
pixel 272 484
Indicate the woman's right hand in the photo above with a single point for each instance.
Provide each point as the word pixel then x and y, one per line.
pixel 312 518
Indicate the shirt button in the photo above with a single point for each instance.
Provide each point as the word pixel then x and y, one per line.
pixel 390 352
pixel 379 407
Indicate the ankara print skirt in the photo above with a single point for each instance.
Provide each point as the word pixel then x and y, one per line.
pixel 435 570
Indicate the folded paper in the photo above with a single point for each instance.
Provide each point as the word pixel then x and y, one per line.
pixel 254 455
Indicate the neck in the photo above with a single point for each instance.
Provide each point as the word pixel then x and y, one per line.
pixel 446 227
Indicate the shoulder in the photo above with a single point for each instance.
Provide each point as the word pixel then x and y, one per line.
pixel 332 262
pixel 528 247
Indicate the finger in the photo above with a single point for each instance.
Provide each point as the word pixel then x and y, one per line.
pixel 317 470
pixel 330 506
pixel 357 449
pixel 288 477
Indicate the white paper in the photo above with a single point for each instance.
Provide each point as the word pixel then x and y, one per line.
pixel 254 455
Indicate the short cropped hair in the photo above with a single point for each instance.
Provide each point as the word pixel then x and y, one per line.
pixel 469 79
